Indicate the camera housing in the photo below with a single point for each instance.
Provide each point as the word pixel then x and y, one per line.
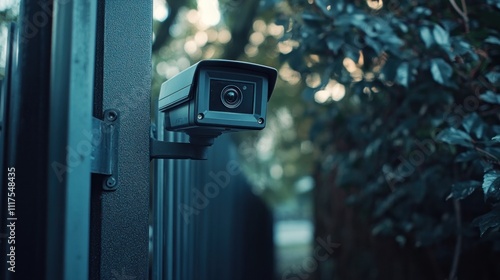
pixel 216 96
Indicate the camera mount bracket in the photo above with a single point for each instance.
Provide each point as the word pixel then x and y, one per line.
pixel 196 149
pixel 104 155
pixel 173 150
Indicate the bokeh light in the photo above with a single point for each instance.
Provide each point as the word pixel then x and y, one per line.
pixel 375 4
pixel 289 75
pixel 160 10
pixel 209 14
pixel 333 91
pixel 313 80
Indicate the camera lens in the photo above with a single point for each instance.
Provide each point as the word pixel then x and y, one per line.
pixel 231 96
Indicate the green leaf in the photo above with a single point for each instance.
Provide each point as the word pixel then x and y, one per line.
pixel 455 137
pixel 467 156
pixel 385 227
pixel 493 153
pixel 491 184
pixel 494 3
pixel 490 97
pixel 462 47
pixel 389 202
pixel 334 43
pixel 462 190
pixel 423 10
pixel 400 24
pixel 391 39
pixel 403 74
pixel 426 36
pixel 308 16
pixel 472 123
pixel 488 220
pixel 493 77
pixel 441 71
pixel 345 20
pixel 374 44
pixel 441 36
pixel 372 148
pixel 492 40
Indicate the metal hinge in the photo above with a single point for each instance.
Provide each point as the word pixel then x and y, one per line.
pixel 104 157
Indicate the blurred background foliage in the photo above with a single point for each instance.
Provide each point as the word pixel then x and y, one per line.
pixel 383 128
pixel 408 175
pixel 410 154
pixel 386 111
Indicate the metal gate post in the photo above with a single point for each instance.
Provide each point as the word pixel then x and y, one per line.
pixel 119 218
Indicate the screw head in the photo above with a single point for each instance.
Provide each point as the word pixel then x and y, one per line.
pixel 260 120
pixel 111 115
pixel 200 116
pixel 111 182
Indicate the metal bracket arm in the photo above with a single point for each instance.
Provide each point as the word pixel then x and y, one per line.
pixel 169 150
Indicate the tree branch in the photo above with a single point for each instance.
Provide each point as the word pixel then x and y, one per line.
pixel 458 244
pixel 486 153
pixel 242 15
pixel 163 33
pixel 462 14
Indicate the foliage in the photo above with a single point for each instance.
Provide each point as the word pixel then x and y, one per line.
pixel 415 140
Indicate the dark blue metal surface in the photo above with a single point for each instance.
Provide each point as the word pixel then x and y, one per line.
pixel 70 139
pixel 119 229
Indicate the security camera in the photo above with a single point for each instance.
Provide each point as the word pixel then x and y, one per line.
pixel 216 96
pixel 210 98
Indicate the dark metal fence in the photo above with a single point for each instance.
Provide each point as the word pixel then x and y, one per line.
pixel 207 224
